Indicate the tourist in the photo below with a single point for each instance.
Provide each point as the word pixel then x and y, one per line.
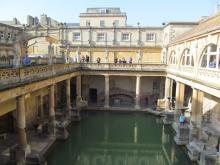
pixel 123 60
pixel 83 59
pixel 26 61
pixel 130 60
pixel 116 60
pixel 182 119
pixel 87 59
pixel 98 60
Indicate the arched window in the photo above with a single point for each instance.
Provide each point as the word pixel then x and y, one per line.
pixel 172 58
pixel 187 58
pixel 210 57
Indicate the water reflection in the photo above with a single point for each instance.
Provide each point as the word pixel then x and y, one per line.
pixel 118 139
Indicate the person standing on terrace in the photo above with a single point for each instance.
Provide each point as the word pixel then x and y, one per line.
pixel 26 60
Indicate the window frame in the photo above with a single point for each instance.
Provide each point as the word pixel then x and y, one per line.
pixel 75 38
pixel 208 54
pixel 185 57
pixel 126 39
pixel 100 38
pixel 151 38
pixel 2 35
pixel 102 23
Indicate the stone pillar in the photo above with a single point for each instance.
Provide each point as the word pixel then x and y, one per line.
pixel 21 122
pixel 22 149
pixel 41 105
pixel 196 114
pixel 180 89
pixel 52 111
pixel 78 86
pixel 106 91
pixel 167 93
pixel 68 100
pixel 137 98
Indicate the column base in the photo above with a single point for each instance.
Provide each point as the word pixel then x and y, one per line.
pixel 137 107
pixel 18 154
pixel 106 107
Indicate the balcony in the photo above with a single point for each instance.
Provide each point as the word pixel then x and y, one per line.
pixel 123 67
pixel 208 76
pixel 12 77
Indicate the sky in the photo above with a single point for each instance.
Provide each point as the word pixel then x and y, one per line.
pixel 147 12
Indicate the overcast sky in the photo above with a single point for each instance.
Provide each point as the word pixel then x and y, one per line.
pixel 147 12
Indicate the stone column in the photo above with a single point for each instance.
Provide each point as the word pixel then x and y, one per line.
pixel 68 100
pixel 21 122
pixel 106 91
pixel 78 86
pixel 52 110
pixel 196 114
pixel 41 105
pixel 180 89
pixel 137 98
pixel 167 93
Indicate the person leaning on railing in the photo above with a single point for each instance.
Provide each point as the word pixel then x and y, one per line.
pixel 26 61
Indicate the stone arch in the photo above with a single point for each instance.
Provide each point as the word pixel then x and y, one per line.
pixel 172 58
pixel 209 56
pixel 47 37
pixel 186 58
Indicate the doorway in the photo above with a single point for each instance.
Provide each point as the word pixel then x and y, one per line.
pixel 93 95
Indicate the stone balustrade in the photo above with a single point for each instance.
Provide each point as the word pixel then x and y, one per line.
pixel 207 75
pixel 12 76
pixel 210 75
pixel 123 67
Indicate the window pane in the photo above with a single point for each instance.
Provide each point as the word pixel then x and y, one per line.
pixel 150 37
pixel 76 36
pixel 204 61
pixel 183 60
pixel 125 37
pixel 188 60
pixel 192 61
pixel 212 61
pixel 102 23
pixel 100 37
pixel 213 48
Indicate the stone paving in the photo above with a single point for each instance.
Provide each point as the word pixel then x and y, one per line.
pixel 39 145
pixel 5 145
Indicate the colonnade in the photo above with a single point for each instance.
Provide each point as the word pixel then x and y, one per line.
pixel 196 101
pixel 21 110
pixel 137 96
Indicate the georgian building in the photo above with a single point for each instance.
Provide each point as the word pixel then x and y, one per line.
pixel 104 33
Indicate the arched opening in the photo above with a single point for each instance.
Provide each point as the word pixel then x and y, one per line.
pixel 187 58
pixel 44 50
pixel 172 59
pixel 210 57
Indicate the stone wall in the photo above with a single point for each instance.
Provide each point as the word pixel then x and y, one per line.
pixel 211 110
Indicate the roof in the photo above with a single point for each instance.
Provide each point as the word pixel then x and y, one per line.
pixel 204 26
pixel 180 23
